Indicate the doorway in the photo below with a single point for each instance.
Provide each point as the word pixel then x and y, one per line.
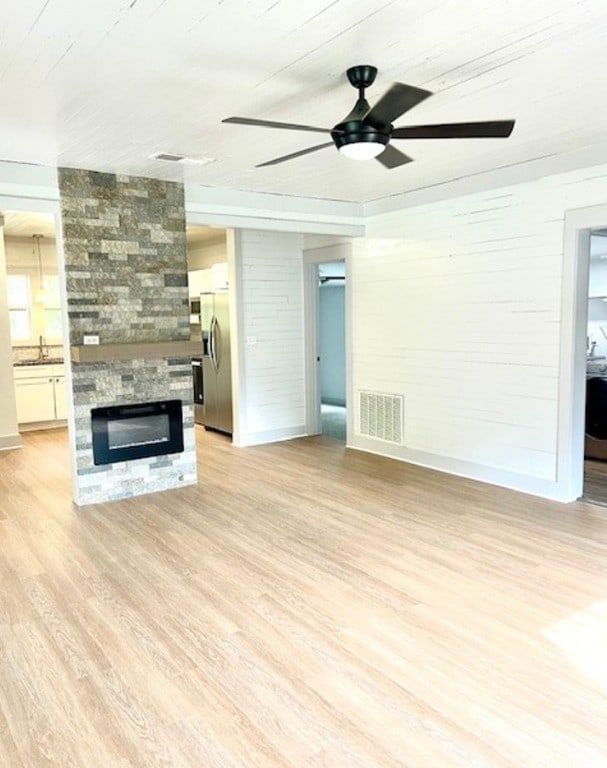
pixel 209 298
pixel 595 421
pixel 332 348
pixel 36 308
pixel 327 261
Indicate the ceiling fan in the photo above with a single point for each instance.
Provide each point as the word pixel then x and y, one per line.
pixel 367 131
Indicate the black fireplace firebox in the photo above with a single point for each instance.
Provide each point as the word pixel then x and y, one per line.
pixel 124 432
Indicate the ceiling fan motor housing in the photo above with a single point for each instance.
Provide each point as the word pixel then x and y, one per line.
pixel 356 132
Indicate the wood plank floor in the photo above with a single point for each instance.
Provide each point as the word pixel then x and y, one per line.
pixel 303 606
pixel 595 481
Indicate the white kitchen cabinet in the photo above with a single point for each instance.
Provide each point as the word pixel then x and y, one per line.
pixel 194 281
pixel 35 400
pixel 40 393
pixel 219 276
pixel 199 281
pixel 60 394
pixel 208 280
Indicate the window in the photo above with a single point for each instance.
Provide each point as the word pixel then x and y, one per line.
pixel 52 308
pixel 52 324
pixel 19 307
pixel 29 317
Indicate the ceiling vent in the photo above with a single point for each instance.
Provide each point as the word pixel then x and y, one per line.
pixel 381 416
pixel 171 157
pixel 168 156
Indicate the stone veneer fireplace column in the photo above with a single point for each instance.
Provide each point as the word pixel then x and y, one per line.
pixel 126 276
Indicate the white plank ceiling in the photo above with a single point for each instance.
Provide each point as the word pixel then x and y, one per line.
pixel 28 224
pixel 105 85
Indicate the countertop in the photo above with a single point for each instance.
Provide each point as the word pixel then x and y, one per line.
pixel 48 361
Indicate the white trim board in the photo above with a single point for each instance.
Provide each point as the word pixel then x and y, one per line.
pixel 10 442
pixel 274 222
pixel 311 259
pixel 237 335
pixel 21 182
pixel 572 370
pixel 311 342
pixel 255 210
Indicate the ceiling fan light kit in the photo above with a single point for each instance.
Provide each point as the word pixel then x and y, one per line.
pixel 362 150
pixel 362 147
pixel 366 132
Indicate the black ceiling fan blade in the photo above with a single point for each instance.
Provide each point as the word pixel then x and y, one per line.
pixel 392 157
pixel 491 129
pixel 397 100
pixel 273 124
pixel 295 154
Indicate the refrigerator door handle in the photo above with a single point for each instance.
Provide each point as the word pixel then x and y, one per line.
pixel 214 343
pixel 210 341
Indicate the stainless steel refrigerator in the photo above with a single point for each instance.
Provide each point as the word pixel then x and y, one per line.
pixel 216 366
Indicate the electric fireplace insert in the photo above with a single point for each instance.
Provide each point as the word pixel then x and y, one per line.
pixel 124 432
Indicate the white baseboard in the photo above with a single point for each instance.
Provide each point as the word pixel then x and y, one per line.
pixel 8 442
pixel 35 426
pixel 271 436
pixel 547 489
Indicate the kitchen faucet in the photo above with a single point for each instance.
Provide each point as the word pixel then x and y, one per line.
pixel 42 355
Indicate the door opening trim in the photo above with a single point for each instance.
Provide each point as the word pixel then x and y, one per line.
pixel 572 374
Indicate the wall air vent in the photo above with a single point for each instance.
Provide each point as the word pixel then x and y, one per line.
pixel 381 416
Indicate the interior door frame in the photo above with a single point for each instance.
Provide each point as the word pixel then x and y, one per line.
pixel 312 347
pixel 579 223
pixel 339 252
pixel 34 204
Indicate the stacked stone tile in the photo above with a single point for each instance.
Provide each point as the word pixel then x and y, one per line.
pixel 126 276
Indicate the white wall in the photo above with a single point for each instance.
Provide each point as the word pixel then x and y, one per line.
pixel 461 313
pixel 269 296
pixel 9 435
pixel 202 255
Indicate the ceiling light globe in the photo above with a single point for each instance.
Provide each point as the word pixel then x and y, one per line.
pixel 362 150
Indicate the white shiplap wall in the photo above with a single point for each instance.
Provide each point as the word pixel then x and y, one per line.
pixel 461 313
pixel 269 268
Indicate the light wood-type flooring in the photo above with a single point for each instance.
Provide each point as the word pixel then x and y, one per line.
pixel 595 481
pixel 303 606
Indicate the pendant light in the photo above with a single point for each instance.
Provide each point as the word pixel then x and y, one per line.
pixel 41 296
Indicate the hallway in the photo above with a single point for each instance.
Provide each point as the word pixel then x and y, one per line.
pixel 333 419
